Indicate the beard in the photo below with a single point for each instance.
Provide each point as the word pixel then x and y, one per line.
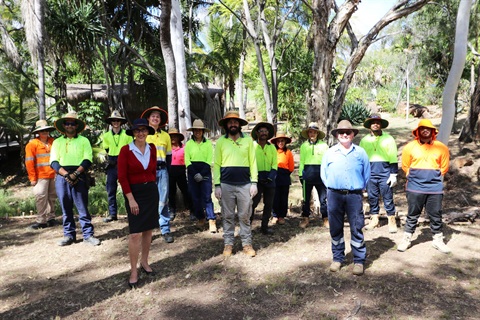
pixel 233 130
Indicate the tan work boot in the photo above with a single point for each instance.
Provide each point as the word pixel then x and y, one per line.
pixel 392 224
pixel 305 222
pixel 274 220
pixel 358 269
pixel 281 221
pixel 212 226
pixel 227 250
pixel 248 250
pixel 335 266
pixel 326 224
pixel 406 242
pixel 373 222
pixel 201 224
pixel 438 243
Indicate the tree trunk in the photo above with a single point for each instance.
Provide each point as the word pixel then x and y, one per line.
pixel 241 108
pixel 469 130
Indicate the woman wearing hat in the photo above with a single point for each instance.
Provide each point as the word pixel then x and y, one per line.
pixel 199 159
pixel 137 164
pixel 113 141
pixel 177 175
pixel 311 154
pixel 41 175
pixel 286 165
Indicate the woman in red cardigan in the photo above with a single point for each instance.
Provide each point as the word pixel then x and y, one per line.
pixel 137 165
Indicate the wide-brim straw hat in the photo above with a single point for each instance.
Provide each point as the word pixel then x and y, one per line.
pixel 137 123
pixel 163 115
pixel 313 126
pixel 198 124
pixel 42 125
pixel 424 123
pixel 368 123
pixel 232 115
pixel 68 117
pixel 269 126
pixel 116 116
pixel 281 135
pixel 344 125
pixel 175 132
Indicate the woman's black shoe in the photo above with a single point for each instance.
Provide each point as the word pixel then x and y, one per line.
pixel 132 285
pixel 148 273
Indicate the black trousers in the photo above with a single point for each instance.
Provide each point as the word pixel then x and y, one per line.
pixel 433 207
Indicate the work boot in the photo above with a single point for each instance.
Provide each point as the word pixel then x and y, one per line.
pixel 357 269
pixel 274 220
pixel 438 243
pixel 326 224
pixel 37 226
pixel 281 221
pixel 227 250
pixel 212 226
pixel 248 250
pixel 335 266
pixel 201 224
pixel 373 222
pixel 305 222
pixel 406 242
pixel 392 224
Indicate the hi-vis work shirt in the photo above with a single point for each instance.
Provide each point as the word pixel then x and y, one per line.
pixel 37 159
pixel 162 142
pixel 113 142
pixel 382 152
pixel 199 157
pixel 71 152
pixel 424 165
pixel 311 155
pixel 234 161
pixel 267 162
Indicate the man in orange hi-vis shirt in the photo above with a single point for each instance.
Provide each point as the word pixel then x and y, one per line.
pixel 425 162
pixel 41 175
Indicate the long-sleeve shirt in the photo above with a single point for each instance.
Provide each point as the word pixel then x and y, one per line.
pixel 199 157
pixel 37 159
pixel 286 165
pixel 267 163
pixel 311 155
pixel 132 171
pixel 382 152
pixel 113 142
pixel 178 156
pixel 345 169
pixel 424 165
pixel 235 161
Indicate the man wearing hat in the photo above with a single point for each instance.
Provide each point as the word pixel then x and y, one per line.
pixel 71 156
pixel 235 173
pixel 157 119
pixel 113 141
pixel 345 173
pixel 266 156
pixel 425 162
pixel 382 152
pixel 311 154
pixel 177 174
pixel 41 176
pixel 199 160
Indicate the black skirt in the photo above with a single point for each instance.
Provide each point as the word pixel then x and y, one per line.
pixel 146 195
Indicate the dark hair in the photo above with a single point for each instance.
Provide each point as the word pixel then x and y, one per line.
pixel 284 147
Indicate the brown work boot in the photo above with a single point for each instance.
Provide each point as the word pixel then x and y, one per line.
pixel 227 250
pixel 201 224
pixel 335 266
pixel 392 224
pixel 212 226
pixel 248 250
pixel 373 222
pixel 326 224
pixel 357 269
pixel 281 221
pixel 305 222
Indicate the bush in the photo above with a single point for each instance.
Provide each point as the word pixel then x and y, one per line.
pixel 355 112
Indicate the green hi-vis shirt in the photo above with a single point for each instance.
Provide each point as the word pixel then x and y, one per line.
pixel 266 157
pixel 71 151
pixel 198 152
pixel 311 154
pixel 380 148
pixel 234 161
pixel 113 142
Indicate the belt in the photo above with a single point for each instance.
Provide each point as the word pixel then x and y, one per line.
pixel 345 191
pixel 161 165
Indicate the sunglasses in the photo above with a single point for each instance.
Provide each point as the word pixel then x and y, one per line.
pixel 142 130
pixel 347 132
pixel 69 124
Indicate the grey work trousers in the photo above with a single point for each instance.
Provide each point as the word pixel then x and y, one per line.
pixel 236 197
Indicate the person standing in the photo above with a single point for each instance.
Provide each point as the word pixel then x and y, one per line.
pixel 286 165
pixel 177 174
pixel 41 175
pixel 137 172
pixel 70 157
pixel 345 173
pixel 382 152
pixel 199 159
pixel 235 174
pixel 311 154
pixel 425 162
pixel 266 156
pixel 113 141
pixel 157 119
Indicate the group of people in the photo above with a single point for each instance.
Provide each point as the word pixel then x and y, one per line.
pixel 147 162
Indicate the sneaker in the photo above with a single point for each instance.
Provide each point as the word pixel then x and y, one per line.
pixel 92 240
pixel 335 266
pixel 37 226
pixel 274 220
pixel 357 269
pixel 227 250
pixel 110 219
pixel 281 221
pixel 326 224
pixel 304 223
pixel 438 243
pixel 168 238
pixel 406 242
pixel 66 241
pixel 248 250
pixel 212 224
pixel 53 222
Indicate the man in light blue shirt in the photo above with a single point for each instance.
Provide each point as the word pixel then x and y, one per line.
pixel 345 172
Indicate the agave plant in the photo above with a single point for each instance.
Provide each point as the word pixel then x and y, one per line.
pixel 355 112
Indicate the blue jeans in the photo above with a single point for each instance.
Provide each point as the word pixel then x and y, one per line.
pixel 378 186
pixel 68 196
pixel 201 193
pixel 164 216
pixel 351 205
pixel 112 185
